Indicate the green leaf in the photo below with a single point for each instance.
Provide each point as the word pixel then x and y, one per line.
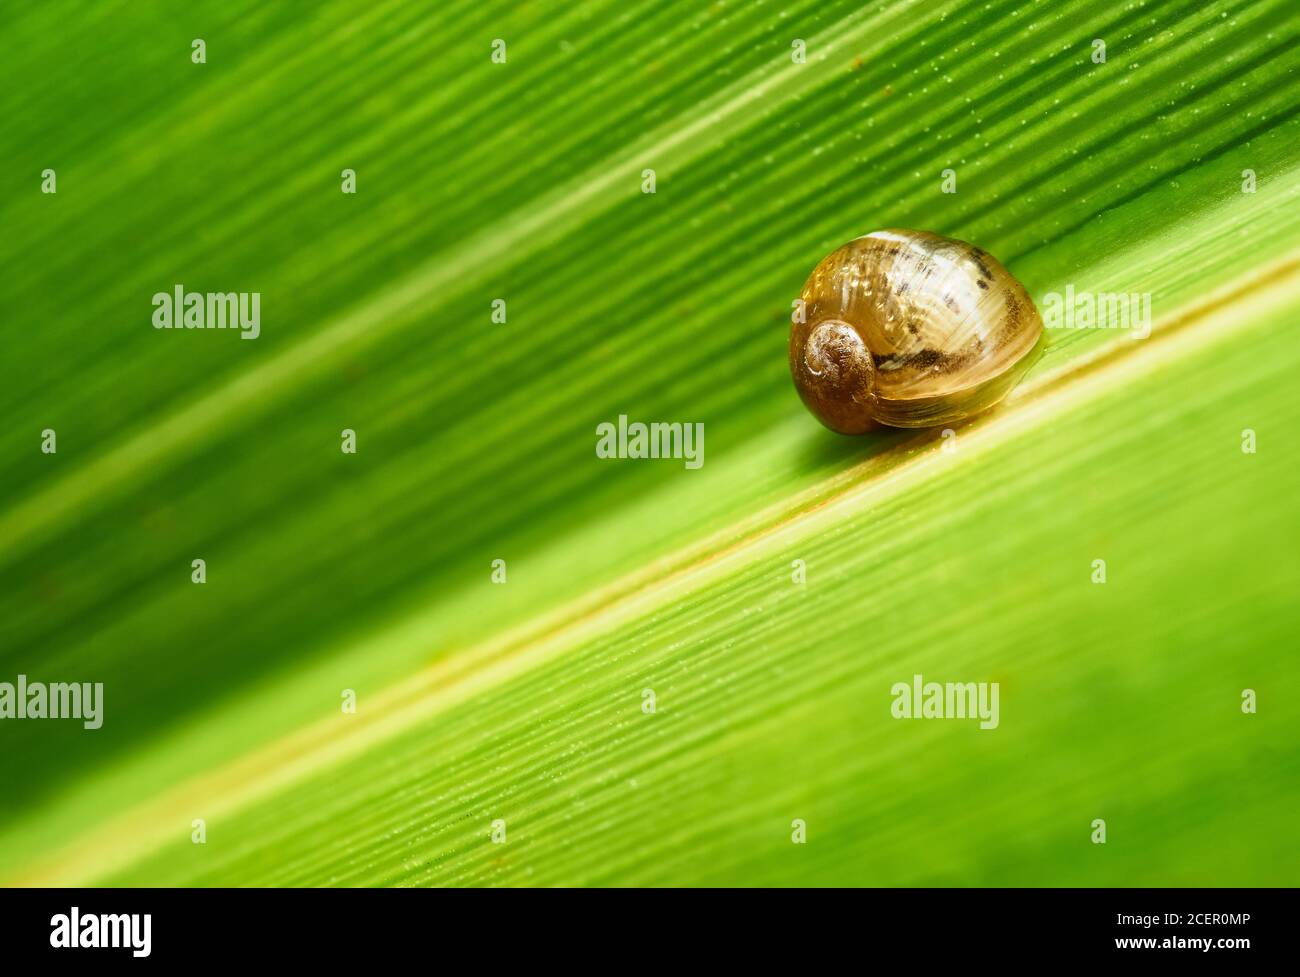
pixel 522 701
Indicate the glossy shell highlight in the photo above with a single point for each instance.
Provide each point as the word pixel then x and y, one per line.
pixel 910 329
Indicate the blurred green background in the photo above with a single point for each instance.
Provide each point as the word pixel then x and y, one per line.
pixel 522 701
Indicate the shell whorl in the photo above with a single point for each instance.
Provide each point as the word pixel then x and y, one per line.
pixel 910 329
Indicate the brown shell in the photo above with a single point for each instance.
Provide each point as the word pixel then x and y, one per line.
pixel 910 329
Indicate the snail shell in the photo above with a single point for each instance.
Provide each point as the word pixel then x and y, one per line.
pixel 910 329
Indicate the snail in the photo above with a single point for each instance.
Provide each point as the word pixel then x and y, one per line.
pixel 909 329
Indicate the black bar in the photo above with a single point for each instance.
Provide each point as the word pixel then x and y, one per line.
pixel 331 927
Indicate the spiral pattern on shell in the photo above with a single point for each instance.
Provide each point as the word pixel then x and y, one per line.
pixel 910 329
